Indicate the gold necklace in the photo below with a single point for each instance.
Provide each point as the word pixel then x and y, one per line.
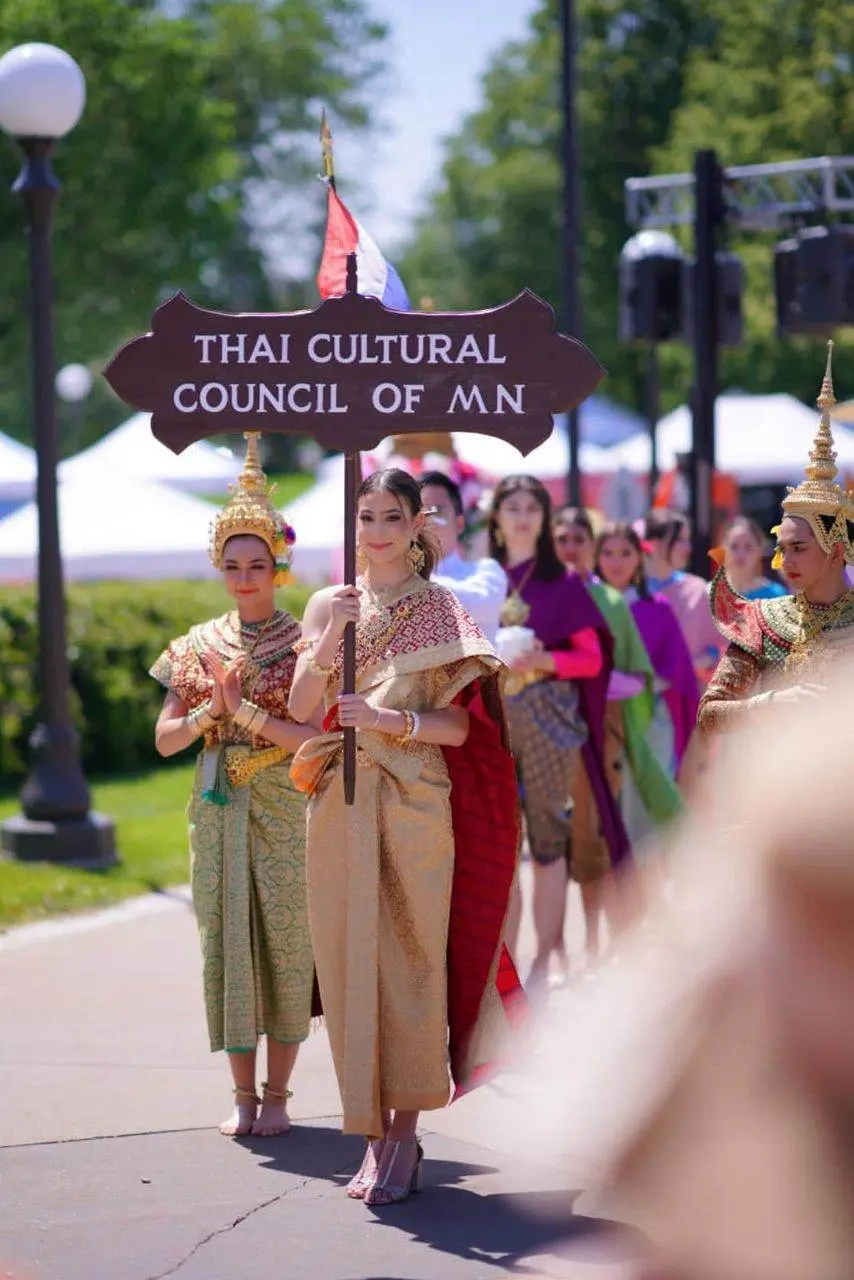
pixel 378 624
pixel 251 670
pixel 814 620
pixel 514 611
pixel 382 597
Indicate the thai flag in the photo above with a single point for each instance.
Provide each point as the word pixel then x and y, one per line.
pixel 376 277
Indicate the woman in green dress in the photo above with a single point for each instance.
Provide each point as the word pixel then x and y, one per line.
pixel 228 682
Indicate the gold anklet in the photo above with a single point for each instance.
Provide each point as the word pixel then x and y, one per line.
pixel 274 1094
pixel 244 1093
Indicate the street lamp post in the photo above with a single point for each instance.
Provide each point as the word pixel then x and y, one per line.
pixel 42 93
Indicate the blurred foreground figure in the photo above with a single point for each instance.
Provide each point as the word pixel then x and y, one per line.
pixel 779 647
pixel 709 1079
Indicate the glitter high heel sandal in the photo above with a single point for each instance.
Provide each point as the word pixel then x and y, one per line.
pixel 358 1186
pixel 386 1191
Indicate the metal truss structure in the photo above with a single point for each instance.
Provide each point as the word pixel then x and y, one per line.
pixel 759 197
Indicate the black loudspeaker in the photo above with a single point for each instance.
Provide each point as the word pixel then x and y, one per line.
pixel 650 298
pixel 814 280
pixel 730 286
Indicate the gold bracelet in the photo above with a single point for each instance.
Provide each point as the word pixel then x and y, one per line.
pixel 250 717
pixel 314 666
pixel 409 727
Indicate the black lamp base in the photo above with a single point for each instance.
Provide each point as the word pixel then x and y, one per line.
pixel 88 843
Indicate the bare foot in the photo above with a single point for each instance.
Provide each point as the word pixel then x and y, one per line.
pixel 242 1118
pixel 273 1117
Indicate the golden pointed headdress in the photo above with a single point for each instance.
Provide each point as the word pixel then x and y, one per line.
pixel 819 499
pixel 250 511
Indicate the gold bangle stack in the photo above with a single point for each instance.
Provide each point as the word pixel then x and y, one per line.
pixel 250 717
pixel 202 720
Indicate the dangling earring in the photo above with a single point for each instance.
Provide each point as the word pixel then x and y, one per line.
pixel 499 537
pixel 361 559
pixel 415 558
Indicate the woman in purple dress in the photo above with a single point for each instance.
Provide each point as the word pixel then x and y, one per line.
pixel 556 703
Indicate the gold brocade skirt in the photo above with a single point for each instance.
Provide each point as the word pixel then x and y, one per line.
pixel 250 899
pixel 379 891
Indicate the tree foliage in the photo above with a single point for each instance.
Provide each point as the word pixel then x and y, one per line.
pixel 776 85
pixel 198 123
pixel 757 81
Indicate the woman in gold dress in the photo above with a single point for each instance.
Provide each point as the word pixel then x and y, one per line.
pixel 227 683
pixel 408 889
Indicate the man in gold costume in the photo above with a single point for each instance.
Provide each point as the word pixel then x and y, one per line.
pixel 781 649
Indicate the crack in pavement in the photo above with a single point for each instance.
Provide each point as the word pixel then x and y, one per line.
pixel 302 1121
pixel 224 1231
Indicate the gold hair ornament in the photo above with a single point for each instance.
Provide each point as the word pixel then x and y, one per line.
pixel 819 495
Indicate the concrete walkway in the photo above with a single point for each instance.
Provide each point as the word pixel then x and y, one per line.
pixel 112 1169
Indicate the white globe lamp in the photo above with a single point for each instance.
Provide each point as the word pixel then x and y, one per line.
pixel 42 92
pixel 73 383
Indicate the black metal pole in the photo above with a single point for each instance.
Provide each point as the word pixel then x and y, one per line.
pixel 57 824
pixel 571 225
pixel 653 399
pixel 708 214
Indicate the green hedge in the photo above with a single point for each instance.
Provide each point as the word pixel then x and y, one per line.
pixel 115 631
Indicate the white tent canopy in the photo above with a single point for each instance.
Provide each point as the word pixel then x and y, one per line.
pixel 132 450
pixel 758 439
pixel 549 461
pixel 17 470
pixel 112 526
pixel 318 520
pixel 495 458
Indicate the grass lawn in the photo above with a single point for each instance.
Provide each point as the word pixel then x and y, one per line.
pixel 151 836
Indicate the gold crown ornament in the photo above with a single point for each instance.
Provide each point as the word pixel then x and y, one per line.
pixel 819 499
pixel 250 511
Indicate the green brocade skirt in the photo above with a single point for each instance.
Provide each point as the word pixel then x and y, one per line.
pixel 249 895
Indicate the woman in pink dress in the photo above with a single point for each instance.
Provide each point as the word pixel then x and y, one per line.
pixel 667 544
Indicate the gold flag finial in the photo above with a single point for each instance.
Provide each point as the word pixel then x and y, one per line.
pixel 326 147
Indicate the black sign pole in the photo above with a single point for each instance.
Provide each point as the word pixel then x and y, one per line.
pixel 708 205
pixel 352 480
pixel 571 227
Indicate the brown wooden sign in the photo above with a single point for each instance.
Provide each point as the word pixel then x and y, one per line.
pixel 351 372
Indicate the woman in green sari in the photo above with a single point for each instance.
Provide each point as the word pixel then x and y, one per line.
pixel 632 695
pixel 228 682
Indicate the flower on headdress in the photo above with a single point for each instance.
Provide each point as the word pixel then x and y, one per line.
pixel 290 535
pixel 777 558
